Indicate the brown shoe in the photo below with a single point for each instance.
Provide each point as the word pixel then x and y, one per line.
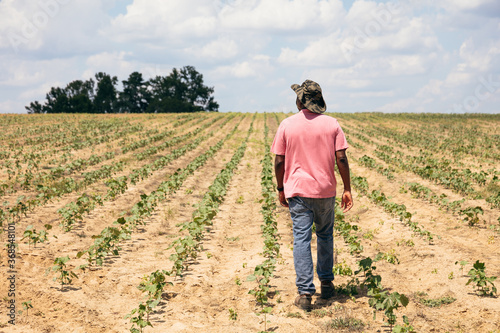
pixel 304 302
pixel 327 289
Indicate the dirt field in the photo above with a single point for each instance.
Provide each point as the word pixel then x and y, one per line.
pixel 216 281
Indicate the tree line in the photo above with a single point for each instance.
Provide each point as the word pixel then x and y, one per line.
pixel 181 91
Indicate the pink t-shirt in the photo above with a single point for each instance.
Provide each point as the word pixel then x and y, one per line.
pixel 309 142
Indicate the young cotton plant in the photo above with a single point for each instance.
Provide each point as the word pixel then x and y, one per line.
pixel 65 277
pixel 35 237
pixel 484 285
pixel 153 286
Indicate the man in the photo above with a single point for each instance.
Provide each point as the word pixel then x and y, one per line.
pixel 307 145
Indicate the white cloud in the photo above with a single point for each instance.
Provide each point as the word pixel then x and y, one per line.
pixel 257 66
pixel 219 49
pixel 282 15
pixel 365 94
pixel 26 73
pixel 321 51
pixel 477 7
pixel 51 26
pixel 482 58
pixel 114 63
pixel 156 20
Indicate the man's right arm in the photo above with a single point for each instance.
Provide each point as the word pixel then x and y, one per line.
pixel 279 170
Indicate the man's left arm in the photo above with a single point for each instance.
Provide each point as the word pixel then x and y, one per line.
pixel 343 165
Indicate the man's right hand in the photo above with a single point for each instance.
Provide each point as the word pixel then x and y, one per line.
pixel 283 201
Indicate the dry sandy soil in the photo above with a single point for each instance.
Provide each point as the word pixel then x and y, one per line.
pixel 216 281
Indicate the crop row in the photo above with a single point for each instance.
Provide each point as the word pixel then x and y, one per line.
pixel 68 185
pixel 20 153
pixel 451 136
pixel 263 272
pixel 108 241
pixel 74 211
pixel 141 210
pixel 441 173
pixel 397 210
pixel 423 192
pixel 425 156
pixel 188 246
pixel 33 159
pixel 81 164
pixel 425 164
pixel 380 298
pixel 370 163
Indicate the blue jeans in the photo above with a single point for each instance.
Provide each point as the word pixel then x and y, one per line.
pixel 303 212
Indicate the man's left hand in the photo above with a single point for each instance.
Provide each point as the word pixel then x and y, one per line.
pixel 346 201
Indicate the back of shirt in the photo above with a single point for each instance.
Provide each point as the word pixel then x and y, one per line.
pixel 309 142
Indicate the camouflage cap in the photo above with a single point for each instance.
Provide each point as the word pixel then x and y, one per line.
pixel 309 93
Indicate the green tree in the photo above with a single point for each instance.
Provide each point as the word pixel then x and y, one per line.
pixel 196 93
pixel 167 94
pixel 35 107
pixel 135 96
pixel 57 101
pixel 80 96
pixel 106 95
pixel 181 91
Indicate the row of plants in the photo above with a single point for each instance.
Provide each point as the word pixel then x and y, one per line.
pixel 30 179
pixel 74 211
pixel 397 210
pixel 469 214
pixel 370 163
pixel 477 276
pixel 429 168
pixel 141 210
pixel 156 149
pixel 453 135
pixel 187 247
pixel 108 241
pixel 439 170
pixel 150 140
pixel 263 272
pixel 22 172
pixel 380 298
pixel 20 154
pixel 422 192
pixel 68 132
pixel 117 127
pixel 68 185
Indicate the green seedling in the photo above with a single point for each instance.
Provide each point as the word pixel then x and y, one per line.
pixel 65 277
pixel 471 215
pixel 462 263
pixel 233 315
pixel 406 328
pixel 382 300
pixel 35 237
pixel 342 268
pixel 26 306
pixel 484 285
pixel 390 257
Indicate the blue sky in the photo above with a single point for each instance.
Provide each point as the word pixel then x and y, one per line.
pixel 390 56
